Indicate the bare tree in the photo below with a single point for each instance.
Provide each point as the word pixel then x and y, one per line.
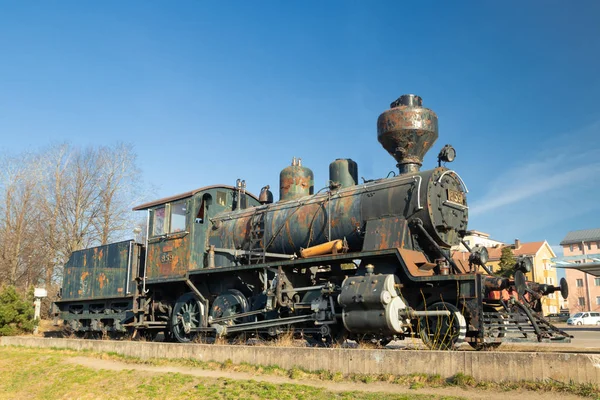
pixel 80 195
pixel 118 176
pixel 55 164
pixel 18 182
pixel 61 200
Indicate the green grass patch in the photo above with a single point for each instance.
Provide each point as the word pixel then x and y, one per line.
pixel 413 381
pixel 43 374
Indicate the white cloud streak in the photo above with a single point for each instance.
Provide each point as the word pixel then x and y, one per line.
pixel 523 183
pixel 568 163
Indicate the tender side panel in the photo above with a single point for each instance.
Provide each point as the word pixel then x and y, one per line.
pixel 169 258
pixel 101 271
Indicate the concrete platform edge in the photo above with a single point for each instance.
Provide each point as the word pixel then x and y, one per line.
pixel 483 366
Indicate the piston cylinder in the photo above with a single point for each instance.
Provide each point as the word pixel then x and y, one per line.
pixel 371 304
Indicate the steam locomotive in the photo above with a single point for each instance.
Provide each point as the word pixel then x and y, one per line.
pixel 366 261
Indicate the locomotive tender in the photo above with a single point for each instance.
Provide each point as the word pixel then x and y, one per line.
pixel 368 261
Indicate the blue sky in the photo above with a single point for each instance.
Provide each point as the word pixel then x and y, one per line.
pixel 209 92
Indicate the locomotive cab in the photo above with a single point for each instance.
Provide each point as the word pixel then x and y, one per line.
pixel 178 225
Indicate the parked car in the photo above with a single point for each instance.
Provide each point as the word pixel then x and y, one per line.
pixel 585 318
pixel 560 317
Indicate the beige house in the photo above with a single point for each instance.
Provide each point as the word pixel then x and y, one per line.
pixel 543 271
pixel 477 238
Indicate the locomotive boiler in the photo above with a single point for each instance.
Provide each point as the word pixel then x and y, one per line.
pixel 367 261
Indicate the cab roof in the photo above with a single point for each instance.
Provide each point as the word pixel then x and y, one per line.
pixel 170 199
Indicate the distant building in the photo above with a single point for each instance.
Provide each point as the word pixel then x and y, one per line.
pixel 543 271
pixel 476 238
pixel 584 289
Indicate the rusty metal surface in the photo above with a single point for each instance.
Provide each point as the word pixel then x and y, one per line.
pixel 289 226
pixel 407 131
pixel 191 193
pixel 348 213
pixel 295 182
pixel 100 272
pixel 168 258
pixel 343 172
pixel 385 233
pixel 171 255
pixel 447 207
pixel 414 261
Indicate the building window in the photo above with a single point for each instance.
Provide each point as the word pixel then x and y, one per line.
pixel 579 283
pixel 581 301
pixel 589 244
pixel 580 247
pixel 598 300
pixel 571 247
pixel 597 281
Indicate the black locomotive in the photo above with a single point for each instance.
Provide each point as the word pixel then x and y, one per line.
pixel 368 261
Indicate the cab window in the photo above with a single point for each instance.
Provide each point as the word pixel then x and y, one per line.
pixel 178 217
pixel 158 222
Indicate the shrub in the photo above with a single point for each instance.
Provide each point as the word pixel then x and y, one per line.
pixel 16 312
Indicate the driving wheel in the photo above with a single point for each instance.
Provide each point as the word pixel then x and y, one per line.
pixel 187 314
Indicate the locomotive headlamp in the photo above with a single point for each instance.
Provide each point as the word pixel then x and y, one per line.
pixel 523 264
pixel 447 154
pixel 479 256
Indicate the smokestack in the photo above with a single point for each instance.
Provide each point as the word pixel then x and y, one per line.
pixel 517 244
pixel 407 131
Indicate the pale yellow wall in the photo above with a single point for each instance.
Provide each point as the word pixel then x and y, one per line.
pixel 540 260
pixel 494 265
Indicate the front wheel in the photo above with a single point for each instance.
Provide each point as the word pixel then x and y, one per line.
pixel 579 323
pixel 443 332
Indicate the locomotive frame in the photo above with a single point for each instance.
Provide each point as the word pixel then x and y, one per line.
pixel 366 261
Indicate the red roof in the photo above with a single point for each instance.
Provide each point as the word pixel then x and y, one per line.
pixel 495 253
pixel 528 249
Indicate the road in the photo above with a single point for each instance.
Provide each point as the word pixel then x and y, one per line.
pixel 584 336
pixel 585 339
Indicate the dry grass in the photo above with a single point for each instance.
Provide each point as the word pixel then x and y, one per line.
pixel 43 374
pixel 414 381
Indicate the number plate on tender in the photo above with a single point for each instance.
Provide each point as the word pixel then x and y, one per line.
pixel 456 196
